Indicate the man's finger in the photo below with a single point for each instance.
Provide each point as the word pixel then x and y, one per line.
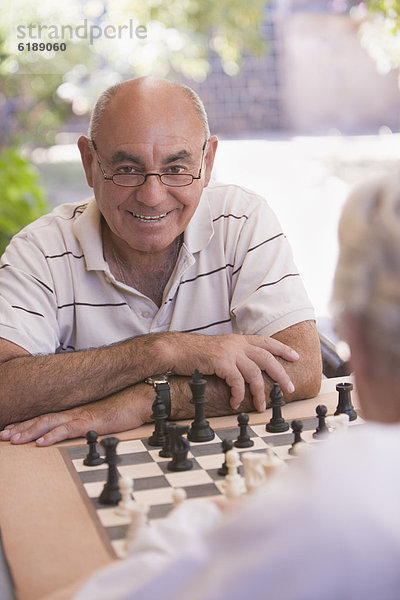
pixel 274 346
pixel 34 428
pixel 272 367
pixel 235 381
pixel 65 431
pixel 251 373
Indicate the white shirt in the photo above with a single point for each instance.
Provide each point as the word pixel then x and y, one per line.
pixel 327 528
pixel 234 273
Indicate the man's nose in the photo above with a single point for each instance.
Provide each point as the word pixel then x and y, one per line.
pixel 152 191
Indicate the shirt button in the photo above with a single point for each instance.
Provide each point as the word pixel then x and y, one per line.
pixel 145 314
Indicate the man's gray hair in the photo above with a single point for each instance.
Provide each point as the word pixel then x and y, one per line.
pixel 367 278
pixel 106 96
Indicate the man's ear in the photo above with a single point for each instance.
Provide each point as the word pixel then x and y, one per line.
pixel 209 158
pixel 86 157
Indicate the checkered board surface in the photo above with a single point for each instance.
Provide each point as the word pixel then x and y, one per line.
pixel 153 483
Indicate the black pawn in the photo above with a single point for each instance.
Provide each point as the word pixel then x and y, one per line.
pixel 200 430
pixel 277 424
pixel 297 428
pixel 322 430
pixel 179 450
pixel 92 458
pixel 344 404
pixel 165 451
pixel 243 440
pixel 159 415
pixel 226 445
pixel 111 493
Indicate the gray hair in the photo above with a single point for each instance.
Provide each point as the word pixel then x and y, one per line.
pixel 367 278
pixel 106 96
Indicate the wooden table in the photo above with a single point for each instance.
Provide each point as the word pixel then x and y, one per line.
pixel 49 538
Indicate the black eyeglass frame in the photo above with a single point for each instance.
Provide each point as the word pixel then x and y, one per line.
pixel 146 175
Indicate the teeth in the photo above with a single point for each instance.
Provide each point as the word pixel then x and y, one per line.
pixel 147 218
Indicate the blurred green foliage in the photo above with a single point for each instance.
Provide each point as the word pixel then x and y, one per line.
pixel 379 29
pixel 387 8
pixel 43 89
pixel 22 198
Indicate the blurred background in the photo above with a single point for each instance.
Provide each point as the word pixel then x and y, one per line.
pixel 304 96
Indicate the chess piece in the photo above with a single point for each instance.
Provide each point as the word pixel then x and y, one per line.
pixel 344 401
pixel 165 451
pixel 111 493
pixel 126 504
pixel 300 449
pixel 138 522
pixel 322 429
pixel 243 440
pixel 159 416
pixel 297 428
pixel 254 474
pixel 178 496
pixel 338 422
pixel 277 423
pixel 179 450
pixel 272 463
pixel 92 458
pixel 233 485
pixel 226 445
pixel 200 430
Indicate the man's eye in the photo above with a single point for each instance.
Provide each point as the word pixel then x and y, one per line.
pixel 175 170
pixel 128 170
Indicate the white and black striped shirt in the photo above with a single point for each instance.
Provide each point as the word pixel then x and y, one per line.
pixel 234 273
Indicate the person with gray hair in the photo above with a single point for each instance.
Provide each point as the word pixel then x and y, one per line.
pixel 366 294
pixel 328 527
pixel 160 273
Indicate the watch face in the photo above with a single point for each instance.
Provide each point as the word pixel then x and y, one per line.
pixel 156 379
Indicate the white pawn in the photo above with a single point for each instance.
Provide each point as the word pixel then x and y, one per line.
pixel 254 474
pixel 272 463
pixel 300 449
pixel 233 484
pixel 178 496
pixel 126 503
pixel 338 423
pixel 138 521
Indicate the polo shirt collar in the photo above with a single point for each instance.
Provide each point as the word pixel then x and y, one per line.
pixel 87 229
pixel 200 229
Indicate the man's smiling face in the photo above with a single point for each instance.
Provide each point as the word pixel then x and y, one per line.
pixel 149 127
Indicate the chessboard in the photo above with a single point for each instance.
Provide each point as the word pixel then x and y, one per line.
pixel 154 483
pixel 51 531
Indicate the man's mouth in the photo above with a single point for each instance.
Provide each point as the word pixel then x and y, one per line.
pixel 149 219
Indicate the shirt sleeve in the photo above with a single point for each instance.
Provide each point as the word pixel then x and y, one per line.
pixel 268 294
pixel 28 307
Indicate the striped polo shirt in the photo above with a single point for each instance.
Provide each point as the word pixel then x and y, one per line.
pixel 234 273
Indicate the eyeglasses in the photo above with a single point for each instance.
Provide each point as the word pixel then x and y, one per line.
pixel 137 179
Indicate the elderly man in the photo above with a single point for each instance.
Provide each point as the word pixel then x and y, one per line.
pixel 160 273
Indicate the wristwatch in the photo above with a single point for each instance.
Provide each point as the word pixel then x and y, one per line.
pixel 161 385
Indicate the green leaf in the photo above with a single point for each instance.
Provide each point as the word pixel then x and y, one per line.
pixel 22 197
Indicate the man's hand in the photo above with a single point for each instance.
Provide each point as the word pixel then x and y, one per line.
pixel 236 359
pixel 122 411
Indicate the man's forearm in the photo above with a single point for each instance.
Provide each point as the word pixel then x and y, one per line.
pixel 305 373
pixel 33 385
